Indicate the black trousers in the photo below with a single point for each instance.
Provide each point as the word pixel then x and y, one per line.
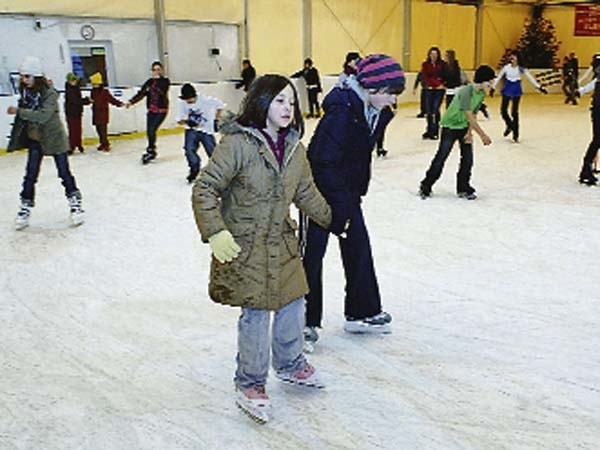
pixel 313 103
pixel 592 149
pixel 463 176
pixel 511 121
pixel 362 290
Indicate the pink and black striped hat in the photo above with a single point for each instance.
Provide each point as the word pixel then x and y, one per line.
pixel 380 71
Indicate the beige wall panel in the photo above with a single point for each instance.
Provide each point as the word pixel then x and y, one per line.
pixel 340 26
pixel 584 47
pixel 275 36
pixel 92 8
pixel 502 26
pixel 227 11
pixel 446 26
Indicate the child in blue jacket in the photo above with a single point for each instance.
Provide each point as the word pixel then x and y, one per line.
pixel 340 154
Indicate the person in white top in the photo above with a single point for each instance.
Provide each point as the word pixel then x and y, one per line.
pixel 512 91
pixel 586 176
pixel 199 114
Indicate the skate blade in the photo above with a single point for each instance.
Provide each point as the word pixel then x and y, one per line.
pixel 21 226
pixel 256 414
pixel 314 383
pixel 308 347
pixel 76 221
pixel 358 327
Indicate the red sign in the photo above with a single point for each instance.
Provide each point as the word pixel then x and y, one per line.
pixel 587 20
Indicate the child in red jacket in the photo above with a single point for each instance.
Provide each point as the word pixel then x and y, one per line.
pixel 101 97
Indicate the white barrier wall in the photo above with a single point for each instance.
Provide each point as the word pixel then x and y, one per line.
pixel 130 120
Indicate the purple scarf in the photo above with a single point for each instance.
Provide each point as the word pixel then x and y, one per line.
pixel 279 146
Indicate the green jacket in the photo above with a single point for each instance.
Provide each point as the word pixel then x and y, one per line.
pixel 243 189
pixel 47 120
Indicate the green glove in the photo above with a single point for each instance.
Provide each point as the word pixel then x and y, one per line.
pixel 223 246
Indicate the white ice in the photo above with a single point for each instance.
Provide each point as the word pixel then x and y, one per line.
pixel 108 339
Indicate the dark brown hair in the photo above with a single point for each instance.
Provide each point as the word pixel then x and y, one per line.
pixel 255 106
pixel 39 85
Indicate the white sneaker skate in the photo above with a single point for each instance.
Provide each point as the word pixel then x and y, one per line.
pixel 77 213
pixel 254 402
pixel 307 377
pixel 22 219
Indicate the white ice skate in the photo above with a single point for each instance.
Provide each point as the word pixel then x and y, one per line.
pixel 77 213
pixel 307 377
pixel 22 219
pixel 378 324
pixel 254 402
pixel 310 337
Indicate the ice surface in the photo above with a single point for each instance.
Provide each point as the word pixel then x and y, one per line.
pixel 108 338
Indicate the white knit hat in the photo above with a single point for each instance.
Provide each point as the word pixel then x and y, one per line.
pixel 31 66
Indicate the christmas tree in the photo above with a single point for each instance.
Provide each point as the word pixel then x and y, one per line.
pixel 538 45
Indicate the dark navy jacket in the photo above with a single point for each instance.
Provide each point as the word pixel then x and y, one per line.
pixel 341 148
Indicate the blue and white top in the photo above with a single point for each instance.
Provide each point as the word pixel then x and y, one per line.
pixel 512 84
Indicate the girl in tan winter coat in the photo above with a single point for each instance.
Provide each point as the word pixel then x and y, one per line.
pixel 241 204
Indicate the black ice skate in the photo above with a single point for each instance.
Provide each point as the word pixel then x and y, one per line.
pixel 424 192
pixel 148 156
pixel 381 153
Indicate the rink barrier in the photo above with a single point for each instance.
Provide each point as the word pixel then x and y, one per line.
pixel 131 123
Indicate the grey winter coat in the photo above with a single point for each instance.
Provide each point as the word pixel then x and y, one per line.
pixel 46 120
pixel 244 190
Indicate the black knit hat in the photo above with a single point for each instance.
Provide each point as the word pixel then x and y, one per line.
pixel 484 73
pixel 187 91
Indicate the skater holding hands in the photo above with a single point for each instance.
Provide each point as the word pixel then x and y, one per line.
pixel 156 91
pixel 241 202
pixel 101 98
pixel 458 124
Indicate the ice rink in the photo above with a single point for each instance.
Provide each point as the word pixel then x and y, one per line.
pixel 109 340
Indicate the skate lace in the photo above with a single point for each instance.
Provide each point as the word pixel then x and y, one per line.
pixel 255 392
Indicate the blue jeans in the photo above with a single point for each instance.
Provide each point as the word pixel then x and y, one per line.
pixel 253 343
pixel 32 171
pixel 463 177
pixel 433 102
pixel 191 144
pixel 153 121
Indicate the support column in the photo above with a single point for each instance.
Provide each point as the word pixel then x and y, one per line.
pixel 161 34
pixel 406 33
pixel 307 28
pixel 478 32
pixel 246 32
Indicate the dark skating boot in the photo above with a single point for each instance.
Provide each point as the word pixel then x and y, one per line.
pixel 192 175
pixel 424 191
pixel 381 152
pixel 148 156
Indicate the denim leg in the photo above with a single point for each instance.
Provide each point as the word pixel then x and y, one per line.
pixel 314 252
pixel 287 337
pixel 153 122
pixel 64 173
pixel 32 170
pixel 253 348
pixel 437 164
pixel 362 290
pixel 438 97
pixel 190 146
pixel 463 177
pixel 429 110
pixel 208 142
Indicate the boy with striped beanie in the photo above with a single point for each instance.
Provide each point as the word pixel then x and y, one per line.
pixel 340 154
